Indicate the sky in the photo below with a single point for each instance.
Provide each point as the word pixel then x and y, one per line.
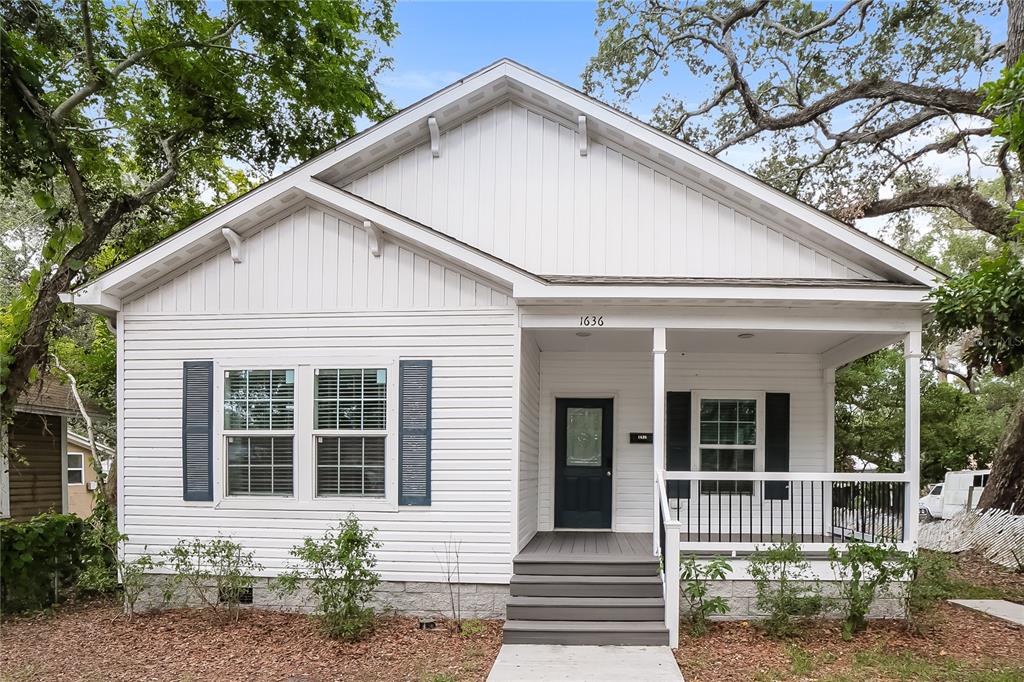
pixel 441 42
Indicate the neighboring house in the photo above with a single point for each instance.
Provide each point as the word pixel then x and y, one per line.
pixel 82 478
pixel 40 474
pixel 503 316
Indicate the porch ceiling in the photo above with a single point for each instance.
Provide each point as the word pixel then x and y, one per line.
pixel 688 341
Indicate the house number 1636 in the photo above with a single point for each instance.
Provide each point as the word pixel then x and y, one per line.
pixel 591 320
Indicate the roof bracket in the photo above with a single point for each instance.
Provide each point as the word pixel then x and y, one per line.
pixel 582 129
pixel 376 236
pixel 235 242
pixel 435 137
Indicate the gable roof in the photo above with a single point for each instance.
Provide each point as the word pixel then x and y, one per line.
pixel 498 82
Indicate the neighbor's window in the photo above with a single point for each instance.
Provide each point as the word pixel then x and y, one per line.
pixel 76 468
pixel 350 431
pixel 259 423
pixel 728 439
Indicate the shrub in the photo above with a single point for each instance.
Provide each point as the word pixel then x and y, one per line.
pixel 338 570
pixel 864 568
pixel 105 569
pixel 781 575
pixel 216 573
pixel 929 584
pixel 38 559
pixel 694 590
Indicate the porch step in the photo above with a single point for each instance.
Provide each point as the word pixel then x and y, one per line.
pixel 616 586
pixel 584 565
pixel 629 633
pixel 585 608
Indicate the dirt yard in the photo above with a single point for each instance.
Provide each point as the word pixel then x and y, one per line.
pixel 93 642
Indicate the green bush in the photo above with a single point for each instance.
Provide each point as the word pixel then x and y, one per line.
pixel 39 559
pixel 338 569
pixel 105 571
pixel 780 574
pixel 864 568
pixel 930 584
pixel 214 573
pixel 694 588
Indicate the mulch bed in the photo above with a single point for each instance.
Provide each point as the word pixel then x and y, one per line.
pixel 95 642
pixel 740 651
pixel 977 570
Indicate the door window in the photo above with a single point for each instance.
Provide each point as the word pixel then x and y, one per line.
pixel 583 436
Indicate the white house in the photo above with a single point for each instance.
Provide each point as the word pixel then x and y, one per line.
pixel 507 314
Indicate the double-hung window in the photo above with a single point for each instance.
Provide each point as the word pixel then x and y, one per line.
pixel 76 468
pixel 350 431
pixel 728 442
pixel 259 430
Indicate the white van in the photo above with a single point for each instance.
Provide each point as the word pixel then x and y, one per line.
pixel 961 490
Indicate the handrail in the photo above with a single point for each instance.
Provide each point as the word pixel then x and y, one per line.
pixel 837 477
pixel 670 557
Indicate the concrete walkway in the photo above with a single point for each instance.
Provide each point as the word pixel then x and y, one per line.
pixel 999 608
pixel 556 663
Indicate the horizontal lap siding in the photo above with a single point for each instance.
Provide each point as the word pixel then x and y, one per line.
pixel 34 472
pixel 529 424
pixel 472 351
pixel 511 181
pixel 628 376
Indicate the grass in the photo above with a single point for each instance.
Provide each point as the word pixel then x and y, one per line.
pixel 878 664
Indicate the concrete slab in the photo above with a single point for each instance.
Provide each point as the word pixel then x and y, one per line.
pixel 556 663
pixel 999 608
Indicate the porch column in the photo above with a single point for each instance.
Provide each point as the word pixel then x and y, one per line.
pixel 912 433
pixel 659 424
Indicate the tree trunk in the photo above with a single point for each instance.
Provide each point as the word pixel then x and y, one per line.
pixel 1005 488
pixel 1014 31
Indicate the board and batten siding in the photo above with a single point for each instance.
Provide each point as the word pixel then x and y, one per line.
pixel 529 445
pixel 511 181
pixel 313 259
pixel 308 294
pixel 627 377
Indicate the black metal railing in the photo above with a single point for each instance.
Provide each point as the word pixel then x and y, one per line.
pixel 803 511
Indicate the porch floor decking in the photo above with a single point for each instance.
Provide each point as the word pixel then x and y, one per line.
pixel 603 546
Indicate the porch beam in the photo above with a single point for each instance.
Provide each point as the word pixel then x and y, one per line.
pixel 894 322
pixel 912 432
pixel 659 347
pixel 855 348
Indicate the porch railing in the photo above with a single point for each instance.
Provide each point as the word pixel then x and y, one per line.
pixel 737 511
pixel 668 539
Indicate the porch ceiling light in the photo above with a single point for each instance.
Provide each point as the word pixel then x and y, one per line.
pixel 583 335
pixel 745 335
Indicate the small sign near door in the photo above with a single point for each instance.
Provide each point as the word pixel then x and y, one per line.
pixel 641 437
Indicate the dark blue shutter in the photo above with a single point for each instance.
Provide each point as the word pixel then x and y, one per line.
pixel 677 432
pixel 776 443
pixel 197 431
pixel 414 396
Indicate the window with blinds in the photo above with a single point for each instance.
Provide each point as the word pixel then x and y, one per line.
pixel 728 439
pixel 259 428
pixel 350 431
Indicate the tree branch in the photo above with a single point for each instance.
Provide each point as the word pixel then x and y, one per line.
pixel 961 199
pixel 87 36
pixel 821 26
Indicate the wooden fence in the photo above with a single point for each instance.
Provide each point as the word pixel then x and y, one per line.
pixel 996 534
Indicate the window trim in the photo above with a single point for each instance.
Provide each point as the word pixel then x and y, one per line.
pixel 389 432
pixel 304 497
pixel 695 446
pixel 71 468
pixel 224 433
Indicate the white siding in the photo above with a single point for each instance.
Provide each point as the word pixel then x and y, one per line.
pixel 511 181
pixel 314 260
pixel 627 377
pixel 529 425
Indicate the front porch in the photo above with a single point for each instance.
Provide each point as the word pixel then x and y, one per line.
pixel 705 431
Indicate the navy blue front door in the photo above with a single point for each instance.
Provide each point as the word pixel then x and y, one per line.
pixel 583 463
